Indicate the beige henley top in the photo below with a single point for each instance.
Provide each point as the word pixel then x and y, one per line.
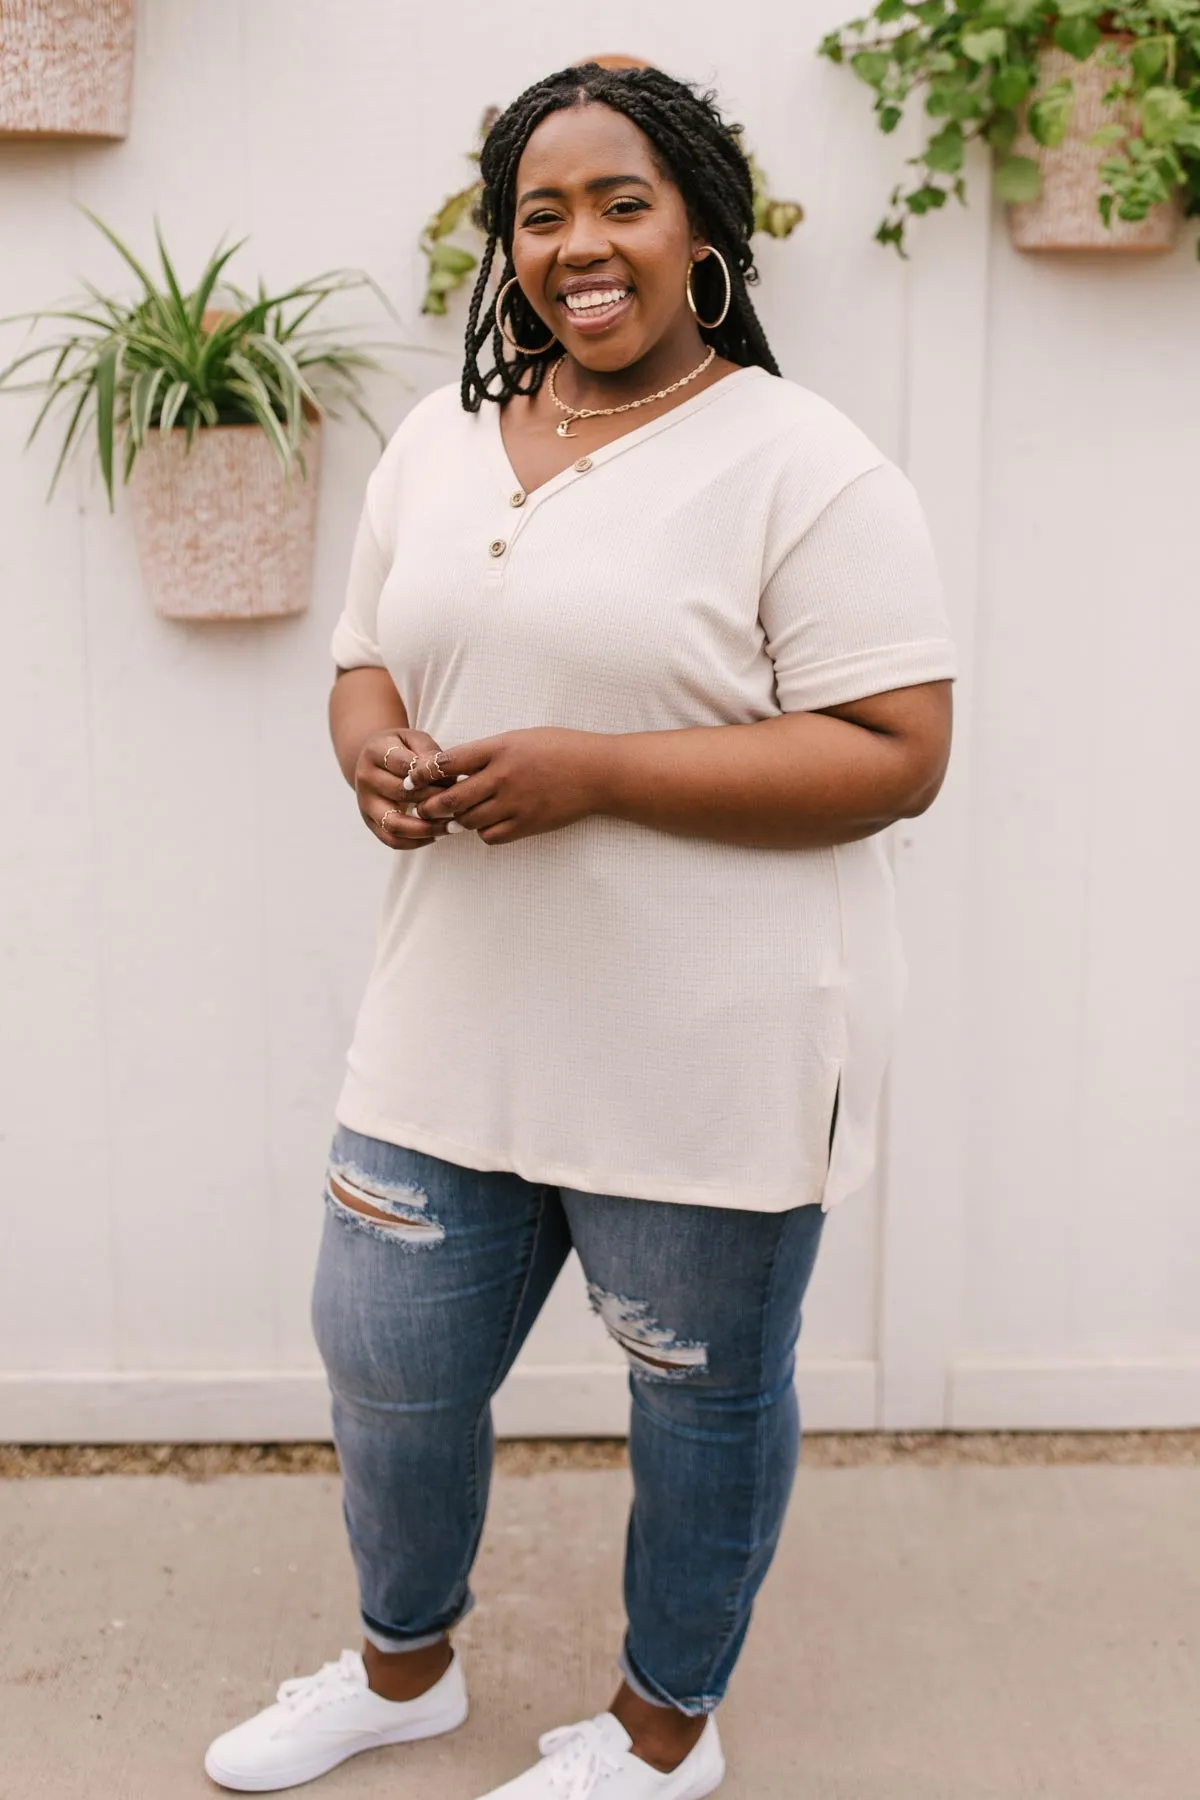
pixel 610 1007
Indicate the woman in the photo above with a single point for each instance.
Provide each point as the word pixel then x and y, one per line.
pixel 643 645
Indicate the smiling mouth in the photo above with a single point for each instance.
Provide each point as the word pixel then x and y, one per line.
pixel 595 304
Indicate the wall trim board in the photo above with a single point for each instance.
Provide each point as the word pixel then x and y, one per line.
pixel 268 1406
pixel 1074 1396
pixel 923 1146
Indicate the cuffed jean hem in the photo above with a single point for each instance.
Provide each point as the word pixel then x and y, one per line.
pixel 694 1709
pixel 391 1645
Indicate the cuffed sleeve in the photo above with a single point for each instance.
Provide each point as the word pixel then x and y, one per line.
pixel 855 605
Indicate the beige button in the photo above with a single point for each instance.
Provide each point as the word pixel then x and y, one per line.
pixel 497 547
pixel 517 499
pixel 584 464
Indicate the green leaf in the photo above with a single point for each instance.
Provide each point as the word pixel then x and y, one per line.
pixel 1107 134
pixel 119 247
pixel 1018 178
pixel 1148 59
pixel 452 213
pixel 944 153
pixel 1010 84
pixel 449 256
pixel 1050 114
pixel 1001 132
pixel 142 394
pixel 70 434
pixel 1077 9
pixel 889 118
pixel 208 282
pixel 174 398
pixel 925 199
pixel 1078 37
pixel 870 66
pixel 106 381
pixel 1163 111
pixel 888 11
pixel 985 46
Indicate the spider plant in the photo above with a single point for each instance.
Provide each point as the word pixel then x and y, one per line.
pixel 171 360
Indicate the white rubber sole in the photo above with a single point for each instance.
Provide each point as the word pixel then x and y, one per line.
pixel 314 1767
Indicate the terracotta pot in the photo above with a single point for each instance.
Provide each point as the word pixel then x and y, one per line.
pixel 1066 217
pixel 221 532
pixel 66 68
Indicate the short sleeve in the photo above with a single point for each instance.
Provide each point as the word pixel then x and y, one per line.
pixel 355 643
pixel 854 606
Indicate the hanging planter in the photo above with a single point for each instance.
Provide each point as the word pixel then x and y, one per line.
pixel 66 68
pixel 215 415
pixel 1091 112
pixel 1066 216
pixel 221 531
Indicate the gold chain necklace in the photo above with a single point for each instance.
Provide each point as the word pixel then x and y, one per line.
pixel 563 428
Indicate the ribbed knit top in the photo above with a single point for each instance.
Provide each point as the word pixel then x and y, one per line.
pixel 609 1007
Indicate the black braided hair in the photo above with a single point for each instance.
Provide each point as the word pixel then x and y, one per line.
pixel 693 146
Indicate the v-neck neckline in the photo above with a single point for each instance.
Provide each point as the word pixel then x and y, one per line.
pixel 605 452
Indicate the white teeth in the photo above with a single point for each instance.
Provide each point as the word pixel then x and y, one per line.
pixel 593 299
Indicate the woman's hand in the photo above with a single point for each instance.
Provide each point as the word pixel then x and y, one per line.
pixel 382 795
pixel 521 783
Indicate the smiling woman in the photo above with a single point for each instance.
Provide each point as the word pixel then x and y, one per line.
pixel 657 634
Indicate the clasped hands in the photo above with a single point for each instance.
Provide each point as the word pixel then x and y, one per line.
pixel 503 788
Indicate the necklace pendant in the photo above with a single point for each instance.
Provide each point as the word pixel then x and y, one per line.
pixel 563 429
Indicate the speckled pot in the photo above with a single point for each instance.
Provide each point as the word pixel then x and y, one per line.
pixel 221 532
pixel 66 68
pixel 1066 216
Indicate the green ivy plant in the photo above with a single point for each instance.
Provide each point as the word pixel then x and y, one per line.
pixel 975 65
pixel 169 359
pixel 450 262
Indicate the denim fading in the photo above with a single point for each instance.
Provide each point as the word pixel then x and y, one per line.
pixel 419 1319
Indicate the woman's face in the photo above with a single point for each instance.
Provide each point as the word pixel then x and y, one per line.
pixel 602 242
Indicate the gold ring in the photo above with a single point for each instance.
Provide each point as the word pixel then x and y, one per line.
pixel 437 763
pixel 396 746
pixel 383 823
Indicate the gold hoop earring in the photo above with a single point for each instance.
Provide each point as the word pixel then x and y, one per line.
pixel 500 327
pixel 709 324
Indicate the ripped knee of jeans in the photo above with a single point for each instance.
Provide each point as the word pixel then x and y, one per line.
pixel 654 1352
pixel 395 1211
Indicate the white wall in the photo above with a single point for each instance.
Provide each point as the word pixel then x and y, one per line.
pixel 189 898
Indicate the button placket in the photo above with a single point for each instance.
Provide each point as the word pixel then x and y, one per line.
pixel 524 505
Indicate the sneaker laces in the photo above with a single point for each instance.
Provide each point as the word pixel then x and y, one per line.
pixel 333 1681
pixel 578 1758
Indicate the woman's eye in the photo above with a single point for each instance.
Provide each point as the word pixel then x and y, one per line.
pixel 629 206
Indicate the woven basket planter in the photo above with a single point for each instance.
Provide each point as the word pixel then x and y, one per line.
pixel 221 532
pixel 66 68
pixel 1066 216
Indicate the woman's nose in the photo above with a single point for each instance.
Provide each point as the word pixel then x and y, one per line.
pixel 585 241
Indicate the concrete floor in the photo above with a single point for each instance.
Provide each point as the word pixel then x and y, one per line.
pixel 959 1633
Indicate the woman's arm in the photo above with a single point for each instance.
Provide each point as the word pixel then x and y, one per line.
pixel 797 782
pixel 363 703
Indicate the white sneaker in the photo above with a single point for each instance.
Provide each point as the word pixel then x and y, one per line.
pixel 319 1720
pixel 594 1758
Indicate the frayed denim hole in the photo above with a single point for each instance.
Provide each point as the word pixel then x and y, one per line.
pixel 408 1221
pixel 654 1352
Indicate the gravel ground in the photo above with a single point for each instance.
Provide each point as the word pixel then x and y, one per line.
pixel 822 1450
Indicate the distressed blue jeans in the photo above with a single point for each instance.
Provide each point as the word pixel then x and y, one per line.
pixel 418 1318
